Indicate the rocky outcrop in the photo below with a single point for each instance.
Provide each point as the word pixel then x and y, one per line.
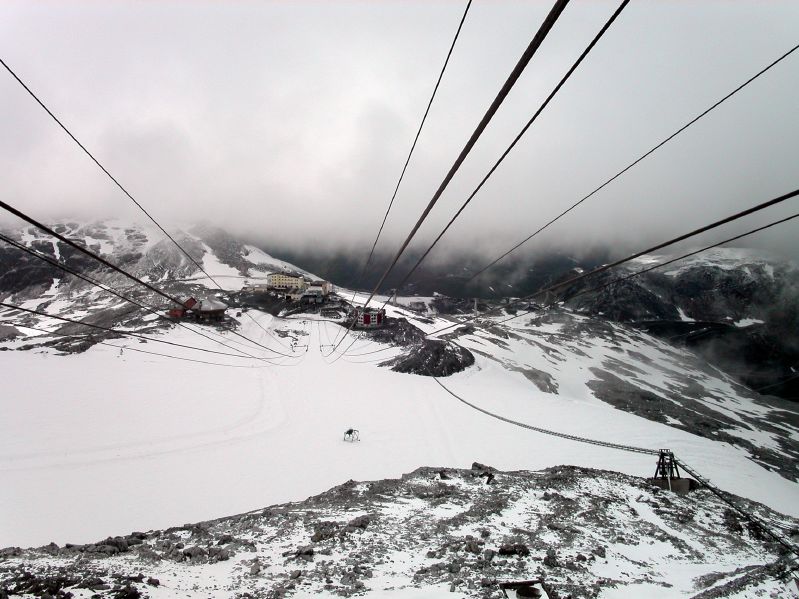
pixel 569 526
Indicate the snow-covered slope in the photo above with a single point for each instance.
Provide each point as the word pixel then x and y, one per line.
pixel 101 438
pixel 584 533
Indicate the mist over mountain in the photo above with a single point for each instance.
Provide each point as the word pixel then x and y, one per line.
pixel 448 273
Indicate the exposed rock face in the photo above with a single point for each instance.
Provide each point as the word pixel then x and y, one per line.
pixel 580 530
pixel 433 358
pixel 739 309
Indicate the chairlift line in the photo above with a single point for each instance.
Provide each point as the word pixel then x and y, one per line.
pixel 631 449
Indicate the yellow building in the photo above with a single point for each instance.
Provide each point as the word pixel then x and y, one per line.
pixel 283 280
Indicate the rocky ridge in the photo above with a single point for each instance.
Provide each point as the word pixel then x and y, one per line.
pixel 585 532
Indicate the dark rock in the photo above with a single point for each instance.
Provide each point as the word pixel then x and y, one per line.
pixel 551 559
pixel 324 530
pixel 195 552
pixel 218 554
pixel 472 547
pixel 360 522
pixel 519 549
pixel 482 467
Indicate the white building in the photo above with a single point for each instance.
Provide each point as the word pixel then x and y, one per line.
pixel 321 288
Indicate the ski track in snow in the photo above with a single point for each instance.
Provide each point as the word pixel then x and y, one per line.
pixel 161 442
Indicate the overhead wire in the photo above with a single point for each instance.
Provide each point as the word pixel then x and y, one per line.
pixel 733 217
pixel 634 162
pixel 549 21
pixel 116 182
pixel 410 153
pixel 41 226
pixel 631 449
pixel 764 526
pixel 125 347
pixel 109 289
pixel 125 333
pixel 518 137
pixel 71 243
pixel 662 264
pixel 523 61
pixel 415 140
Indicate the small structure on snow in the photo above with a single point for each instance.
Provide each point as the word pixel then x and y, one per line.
pixel 201 310
pixel 369 318
pixel 667 474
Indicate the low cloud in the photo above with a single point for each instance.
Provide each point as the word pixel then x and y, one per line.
pixel 290 122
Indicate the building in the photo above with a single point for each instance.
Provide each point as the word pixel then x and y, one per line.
pixel 322 288
pixel 369 318
pixel 286 280
pixel 209 309
pixel 203 310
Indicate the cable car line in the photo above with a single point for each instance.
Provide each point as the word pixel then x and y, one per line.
pixel 408 159
pixel 662 264
pixel 86 251
pixel 125 347
pixel 605 267
pixel 415 140
pixel 553 15
pixel 112 291
pixel 507 151
pixel 635 162
pixel 114 267
pixel 128 333
pixel 119 185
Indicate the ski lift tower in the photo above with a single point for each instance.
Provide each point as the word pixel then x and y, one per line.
pixel 667 474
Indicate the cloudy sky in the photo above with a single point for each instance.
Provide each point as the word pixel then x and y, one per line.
pixel 290 121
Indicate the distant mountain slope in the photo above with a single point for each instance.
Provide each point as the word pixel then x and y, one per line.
pixel 739 308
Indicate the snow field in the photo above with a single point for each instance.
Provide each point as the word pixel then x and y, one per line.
pixel 105 444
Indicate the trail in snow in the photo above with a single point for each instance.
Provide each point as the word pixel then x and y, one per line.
pixel 162 442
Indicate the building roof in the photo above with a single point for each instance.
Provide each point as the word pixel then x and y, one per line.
pixel 210 305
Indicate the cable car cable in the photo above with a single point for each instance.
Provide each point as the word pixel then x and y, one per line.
pixel 507 151
pixel 635 162
pixel 553 15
